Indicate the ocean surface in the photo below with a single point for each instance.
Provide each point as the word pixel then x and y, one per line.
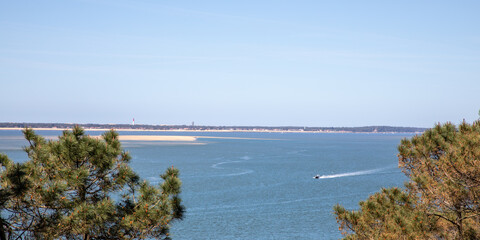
pixel 260 185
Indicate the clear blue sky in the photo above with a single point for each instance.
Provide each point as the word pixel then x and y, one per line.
pixel 302 63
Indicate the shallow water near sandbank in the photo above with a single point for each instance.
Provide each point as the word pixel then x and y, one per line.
pixel 260 185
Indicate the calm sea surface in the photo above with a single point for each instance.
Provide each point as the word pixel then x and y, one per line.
pixel 260 185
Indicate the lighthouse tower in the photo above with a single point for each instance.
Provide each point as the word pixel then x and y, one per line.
pixel 133 122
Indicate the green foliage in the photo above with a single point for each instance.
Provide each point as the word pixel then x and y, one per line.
pixel 80 187
pixel 443 165
pixel 389 214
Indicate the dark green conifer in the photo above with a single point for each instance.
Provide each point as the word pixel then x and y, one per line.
pixel 80 187
pixel 442 198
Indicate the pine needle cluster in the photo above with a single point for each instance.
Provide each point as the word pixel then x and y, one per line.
pixel 442 198
pixel 81 187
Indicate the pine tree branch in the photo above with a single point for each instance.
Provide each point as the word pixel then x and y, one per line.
pixel 443 217
pixel 471 216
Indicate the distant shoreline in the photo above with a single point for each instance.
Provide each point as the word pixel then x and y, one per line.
pixel 181 130
pixel 192 128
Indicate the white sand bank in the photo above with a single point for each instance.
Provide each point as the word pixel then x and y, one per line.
pixel 156 138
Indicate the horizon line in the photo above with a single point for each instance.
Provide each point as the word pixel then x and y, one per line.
pixel 194 125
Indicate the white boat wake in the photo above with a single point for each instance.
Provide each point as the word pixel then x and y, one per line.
pixel 242 171
pixel 357 173
pixel 216 165
pixel 238 174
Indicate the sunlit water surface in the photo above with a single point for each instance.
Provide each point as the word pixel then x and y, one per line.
pixel 261 185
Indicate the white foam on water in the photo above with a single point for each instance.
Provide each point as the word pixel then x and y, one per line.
pixel 349 174
pixel 216 165
pixel 243 171
pixel 238 174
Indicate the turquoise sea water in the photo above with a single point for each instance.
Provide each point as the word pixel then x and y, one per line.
pixel 262 186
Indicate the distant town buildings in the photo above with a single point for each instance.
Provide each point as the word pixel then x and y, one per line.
pixel 193 127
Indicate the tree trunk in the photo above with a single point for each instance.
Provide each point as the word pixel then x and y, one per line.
pixel 3 235
pixel 460 225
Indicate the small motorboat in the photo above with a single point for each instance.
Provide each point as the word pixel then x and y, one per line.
pixel 317 176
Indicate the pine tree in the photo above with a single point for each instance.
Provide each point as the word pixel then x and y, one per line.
pixel 81 187
pixel 389 214
pixel 444 167
pixel 442 198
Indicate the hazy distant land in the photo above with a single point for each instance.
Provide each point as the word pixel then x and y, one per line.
pixel 144 127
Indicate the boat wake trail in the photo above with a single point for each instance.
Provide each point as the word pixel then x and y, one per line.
pixel 357 173
pixel 238 174
pixel 241 171
pixel 216 165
